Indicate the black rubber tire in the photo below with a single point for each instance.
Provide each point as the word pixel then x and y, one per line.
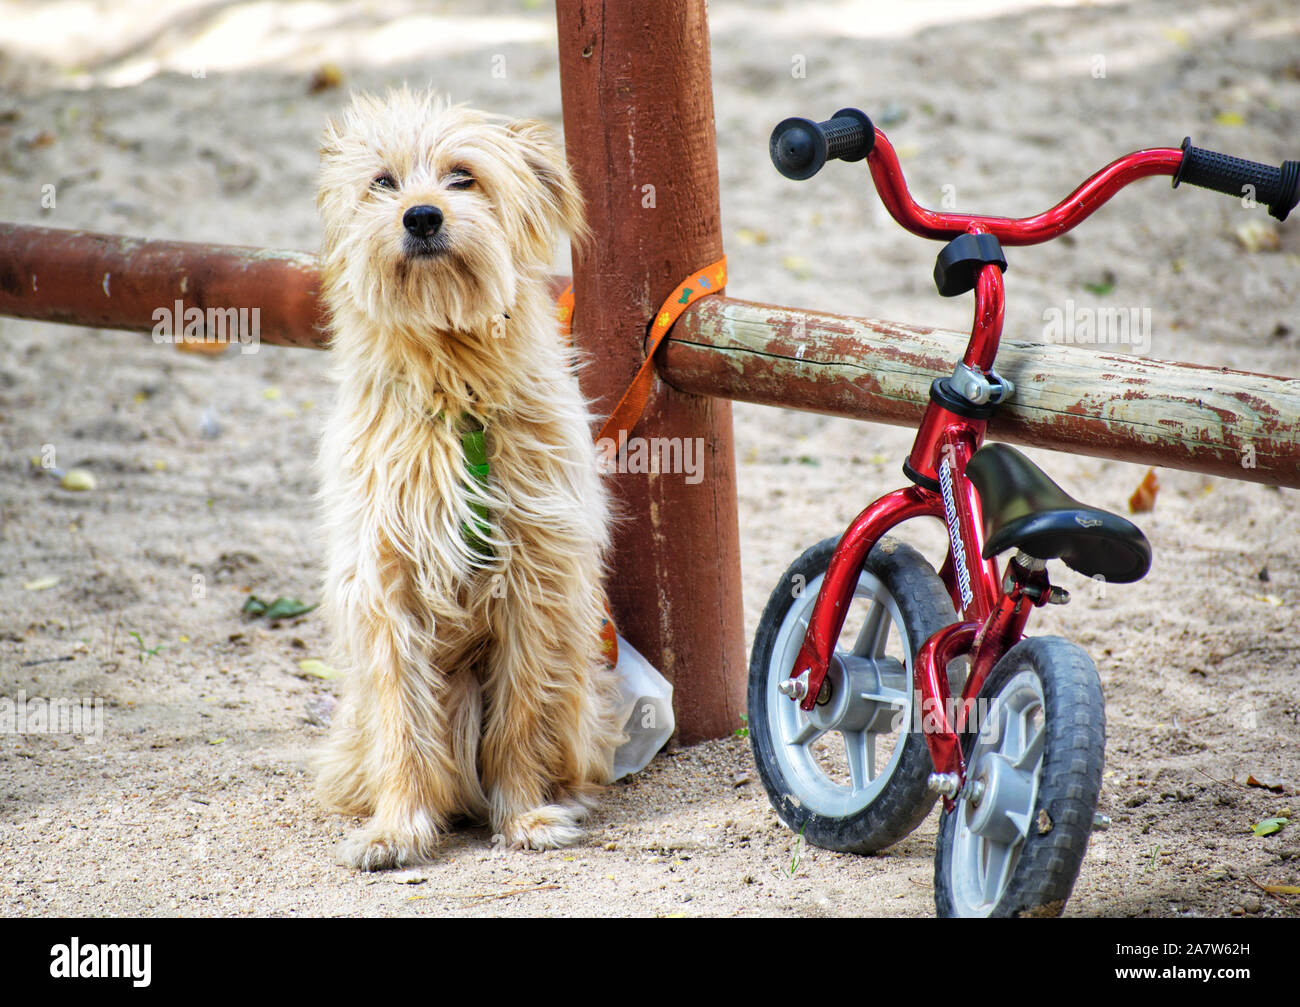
pixel 905 799
pixel 1069 784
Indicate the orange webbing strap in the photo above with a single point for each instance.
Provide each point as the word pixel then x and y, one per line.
pixel 564 312
pixel 609 638
pixel 709 280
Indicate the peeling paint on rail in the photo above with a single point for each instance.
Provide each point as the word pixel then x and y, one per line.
pixel 1189 416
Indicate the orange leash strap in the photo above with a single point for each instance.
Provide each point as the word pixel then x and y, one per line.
pixel 627 413
pixel 564 314
pixel 623 419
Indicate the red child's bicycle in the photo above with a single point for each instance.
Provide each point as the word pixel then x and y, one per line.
pixel 935 690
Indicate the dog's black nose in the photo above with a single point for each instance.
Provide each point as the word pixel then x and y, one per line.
pixel 422 221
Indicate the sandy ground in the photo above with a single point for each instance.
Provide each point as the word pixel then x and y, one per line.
pixel 196 801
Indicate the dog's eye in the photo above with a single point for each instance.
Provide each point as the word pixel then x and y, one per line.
pixel 384 181
pixel 460 179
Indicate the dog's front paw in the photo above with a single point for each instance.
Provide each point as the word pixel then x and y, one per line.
pixel 379 849
pixel 546 828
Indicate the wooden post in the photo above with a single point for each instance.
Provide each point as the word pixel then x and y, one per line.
pixel 638 124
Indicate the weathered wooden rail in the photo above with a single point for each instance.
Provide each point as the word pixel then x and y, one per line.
pixel 113 282
pixel 1081 399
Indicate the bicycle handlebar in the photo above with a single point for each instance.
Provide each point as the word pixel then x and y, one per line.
pixel 800 147
pixel 1277 188
pixel 1068 213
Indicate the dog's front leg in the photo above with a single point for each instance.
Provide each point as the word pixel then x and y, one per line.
pixel 547 736
pixel 408 714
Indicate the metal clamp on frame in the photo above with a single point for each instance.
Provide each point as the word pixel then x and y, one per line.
pixel 979 388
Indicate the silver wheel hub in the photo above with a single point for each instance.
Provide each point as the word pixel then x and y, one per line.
pixel 856 701
pixel 997 809
pixel 867 699
pixel 1005 802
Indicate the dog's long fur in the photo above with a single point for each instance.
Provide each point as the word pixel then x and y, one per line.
pixel 474 681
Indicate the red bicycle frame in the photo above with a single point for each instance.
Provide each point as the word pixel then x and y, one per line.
pixel 992 612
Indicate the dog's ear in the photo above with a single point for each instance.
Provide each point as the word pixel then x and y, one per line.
pixel 330 140
pixel 546 160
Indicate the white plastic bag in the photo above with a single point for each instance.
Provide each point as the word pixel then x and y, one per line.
pixel 647 710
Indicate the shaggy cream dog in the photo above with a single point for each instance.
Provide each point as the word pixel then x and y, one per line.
pixel 465 518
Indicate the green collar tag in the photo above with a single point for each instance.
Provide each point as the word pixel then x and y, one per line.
pixel 474 445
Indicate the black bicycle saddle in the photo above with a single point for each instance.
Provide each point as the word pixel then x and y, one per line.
pixel 1024 509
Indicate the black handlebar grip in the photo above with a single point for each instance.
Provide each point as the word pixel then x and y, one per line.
pixel 1276 188
pixel 799 147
